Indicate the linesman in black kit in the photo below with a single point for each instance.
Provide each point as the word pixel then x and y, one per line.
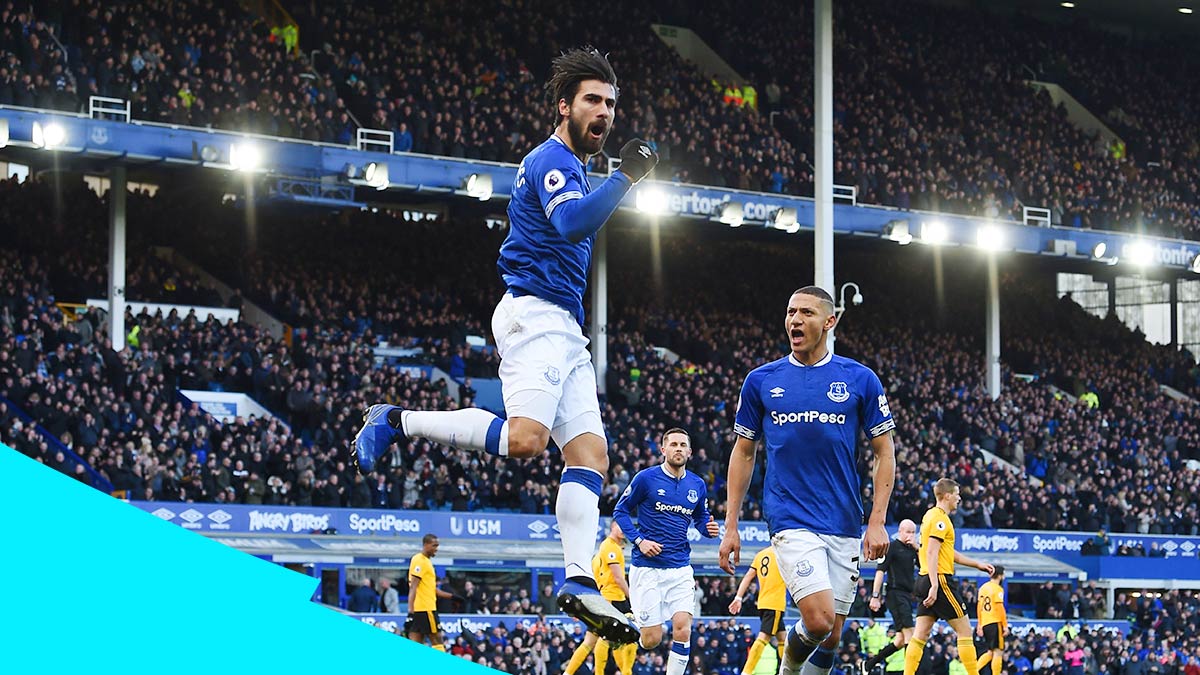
pixel 900 567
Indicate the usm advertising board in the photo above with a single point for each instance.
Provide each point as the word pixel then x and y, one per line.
pixel 263 519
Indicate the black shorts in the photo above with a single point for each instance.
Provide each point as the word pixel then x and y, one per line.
pixel 949 604
pixel 622 606
pixel 992 637
pixel 770 621
pixel 900 606
pixel 425 623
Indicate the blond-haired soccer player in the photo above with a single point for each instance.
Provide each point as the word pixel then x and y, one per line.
pixel 936 587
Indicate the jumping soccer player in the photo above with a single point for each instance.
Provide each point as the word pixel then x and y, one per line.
pixel 546 372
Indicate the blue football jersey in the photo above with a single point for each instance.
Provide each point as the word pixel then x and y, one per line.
pixel 664 507
pixel 535 259
pixel 809 417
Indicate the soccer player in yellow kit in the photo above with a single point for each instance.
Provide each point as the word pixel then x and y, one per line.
pixel 935 587
pixel 608 566
pixel 423 594
pixel 993 620
pixel 772 603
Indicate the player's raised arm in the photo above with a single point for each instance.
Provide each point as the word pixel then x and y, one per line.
pixel 577 217
pixel 735 607
pixel 960 559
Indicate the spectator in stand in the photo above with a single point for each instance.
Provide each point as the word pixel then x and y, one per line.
pixel 364 598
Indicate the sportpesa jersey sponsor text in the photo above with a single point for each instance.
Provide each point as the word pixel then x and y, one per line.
pixel 809 416
pixel 674 508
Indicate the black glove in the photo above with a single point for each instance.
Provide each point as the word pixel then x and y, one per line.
pixel 408 623
pixel 637 159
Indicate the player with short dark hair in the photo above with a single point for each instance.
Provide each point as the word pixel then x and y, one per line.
pixel 936 588
pixel 808 408
pixel 546 372
pixel 666 499
pixel 423 593
pixel 993 620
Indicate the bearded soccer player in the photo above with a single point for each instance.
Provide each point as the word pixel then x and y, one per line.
pixel 666 499
pixel 546 372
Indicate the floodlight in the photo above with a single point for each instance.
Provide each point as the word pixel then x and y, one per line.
pixel 244 157
pixel 479 186
pixel 732 214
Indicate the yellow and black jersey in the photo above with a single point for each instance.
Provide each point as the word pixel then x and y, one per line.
pixel 421 567
pixel 610 553
pixel 772 592
pixel 936 524
pixel 990 607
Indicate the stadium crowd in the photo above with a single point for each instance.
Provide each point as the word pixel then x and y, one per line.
pixel 961 132
pixel 1089 441
pixel 932 111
